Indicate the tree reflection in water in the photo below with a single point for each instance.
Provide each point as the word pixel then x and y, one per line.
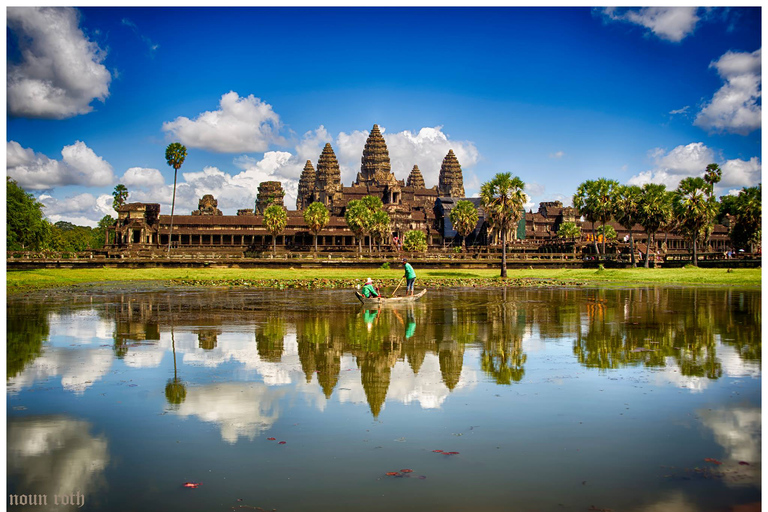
pixel 610 328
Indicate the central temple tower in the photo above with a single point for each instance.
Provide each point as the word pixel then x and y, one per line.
pixel 375 168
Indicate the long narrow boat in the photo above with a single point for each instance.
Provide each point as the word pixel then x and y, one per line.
pixel 389 300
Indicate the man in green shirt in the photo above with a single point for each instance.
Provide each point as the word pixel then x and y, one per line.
pixel 410 277
pixel 369 290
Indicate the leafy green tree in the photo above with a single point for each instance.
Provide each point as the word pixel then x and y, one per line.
pixel 695 209
pixel 569 230
pixel 655 208
pixel 316 217
pixel 99 235
pixel 464 219
pixel 356 215
pixel 626 211
pixel 503 199
pixel 275 220
pixel 728 206
pixel 415 241
pixel 120 195
pixel 175 154
pixel 747 217
pixel 26 228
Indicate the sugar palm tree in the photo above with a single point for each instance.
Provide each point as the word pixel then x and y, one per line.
pixel 626 201
pixel 464 219
pixel 316 216
pixel 695 210
pixel 356 217
pixel 503 199
pixel 275 220
pixel 747 231
pixel 584 202
pixel 175 154
pixel 374 205
pixel 379 226
pixel 655 209
pixel 603 208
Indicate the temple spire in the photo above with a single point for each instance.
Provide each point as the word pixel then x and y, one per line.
pixel 306 186
pixel 451 181
pixel 375 167
pixel 415 179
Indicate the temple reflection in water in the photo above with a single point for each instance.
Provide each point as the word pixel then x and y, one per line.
pixel 327 337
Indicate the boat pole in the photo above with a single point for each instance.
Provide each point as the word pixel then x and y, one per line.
pixel 398 286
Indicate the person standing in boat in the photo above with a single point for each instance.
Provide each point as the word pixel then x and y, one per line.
pixel 410 277
pixel 369 290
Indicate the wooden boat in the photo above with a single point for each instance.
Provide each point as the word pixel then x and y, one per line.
pixel 389 300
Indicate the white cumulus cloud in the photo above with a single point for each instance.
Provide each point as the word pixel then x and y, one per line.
pixel 735 107
pixel 79 166
pixel 60 71
pixel 669 23
pixel 81 210
pixel 241 125
pixel 142 177
pixel 691 160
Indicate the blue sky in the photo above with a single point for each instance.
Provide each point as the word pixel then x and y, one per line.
pixel 555 96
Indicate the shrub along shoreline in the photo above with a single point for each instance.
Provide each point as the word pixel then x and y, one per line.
pixel 28 280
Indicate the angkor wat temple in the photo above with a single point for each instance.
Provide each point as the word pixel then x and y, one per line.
pixel 141 229
pixel 409 204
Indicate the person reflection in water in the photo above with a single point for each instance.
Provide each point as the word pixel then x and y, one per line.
pixel 370 316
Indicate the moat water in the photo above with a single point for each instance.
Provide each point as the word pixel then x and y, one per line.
pixel 518 399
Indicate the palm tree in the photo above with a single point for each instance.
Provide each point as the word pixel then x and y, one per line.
pixel 584 202
pixel 626 201
pixel 175 154
pixel 695 209
pixel 503 199
pixel 120 195
pixel 275 220
pixel 655 209
pixel 380 226
pixel 316 216
pixel 603 207
pixel 464 219
pixel 746 231
pixel 374 205
pixel 356 216
pixel 712 176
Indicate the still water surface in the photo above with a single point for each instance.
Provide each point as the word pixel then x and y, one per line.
pixel 555 399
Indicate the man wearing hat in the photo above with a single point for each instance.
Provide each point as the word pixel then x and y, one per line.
pixel 369 290
pixel 410 277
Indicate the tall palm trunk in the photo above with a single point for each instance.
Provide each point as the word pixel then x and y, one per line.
pixel 315 245
pixel 648 249
pixel 274 245
pixel 594 239
pixel 504 252
pixel 604 237
pixel 173 207
pixel 632 248
pixel 695 254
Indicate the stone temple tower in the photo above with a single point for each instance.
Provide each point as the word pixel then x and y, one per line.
pixel 415 179
pixel 450 182
pixel 306 186
pixel 328 181
pixel 375 168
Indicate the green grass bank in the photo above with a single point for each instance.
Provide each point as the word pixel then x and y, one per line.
pixel 27 280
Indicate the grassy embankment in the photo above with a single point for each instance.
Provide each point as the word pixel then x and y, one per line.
pixel 346 277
